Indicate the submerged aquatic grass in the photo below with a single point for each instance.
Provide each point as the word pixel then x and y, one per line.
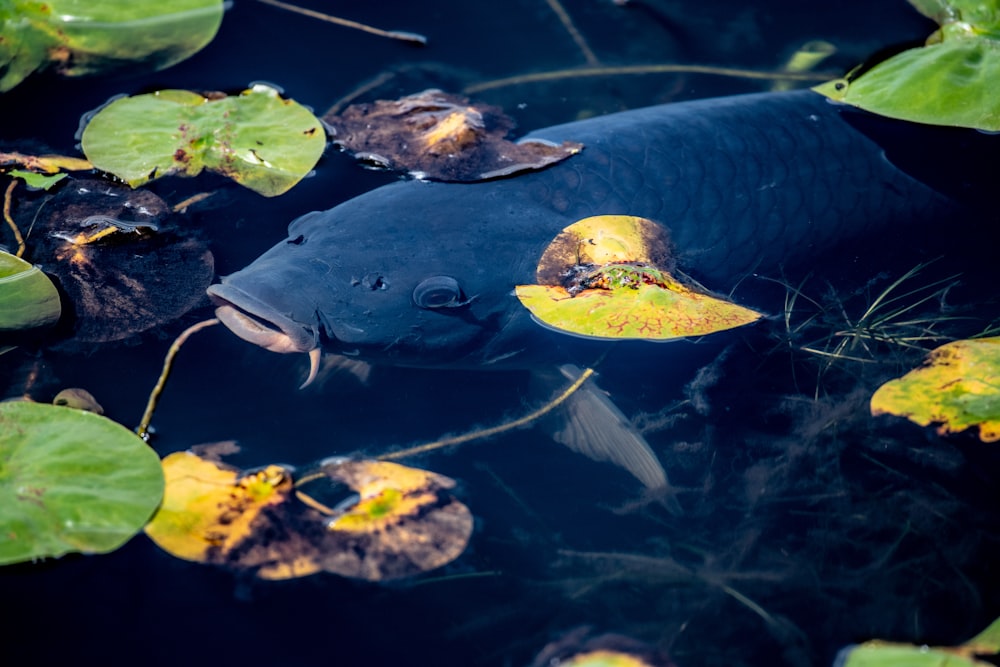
pixel 894 324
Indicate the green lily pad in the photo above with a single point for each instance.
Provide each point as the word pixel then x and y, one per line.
pixel 258 139
pixel 609 276
pixel 949 81
pixel 88 36
pixel 38 181
pixel 878 653
pixel 71 480
pixel 957 388
pixel 28 299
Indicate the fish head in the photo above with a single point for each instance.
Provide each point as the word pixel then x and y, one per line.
pixel 410 274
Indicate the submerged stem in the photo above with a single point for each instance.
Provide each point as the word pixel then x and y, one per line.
pixel 665 68
pixel 143 428
pixel 493 430
pixel 7 197
pixel 578 38
pixel 411 37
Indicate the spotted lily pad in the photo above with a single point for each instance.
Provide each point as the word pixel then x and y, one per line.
pixel 28 299
pixel 395 522
pixel 443 137
pixel 957 388
pixel 257 138
pixel 403 522
pixel 70 480
pixel 87 36
pixel 949 81
pixel 610 277
pixel 980 651
pixel 214 513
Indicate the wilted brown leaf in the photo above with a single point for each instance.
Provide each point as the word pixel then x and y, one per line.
pixel 439 136
pixel 121 264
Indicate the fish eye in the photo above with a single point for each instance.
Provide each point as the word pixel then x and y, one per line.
pixel 298 240
pixel 438 292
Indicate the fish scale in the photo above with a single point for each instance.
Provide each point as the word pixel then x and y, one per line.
pixel 745 183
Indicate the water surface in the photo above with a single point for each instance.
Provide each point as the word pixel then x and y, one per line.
pixel 806 526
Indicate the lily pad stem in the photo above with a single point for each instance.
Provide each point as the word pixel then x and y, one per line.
pixel 570 27
pixel 143 428
pixel 665 68
pixel 8 195
pixel 411 37
pixel 493 430
pixel 448 442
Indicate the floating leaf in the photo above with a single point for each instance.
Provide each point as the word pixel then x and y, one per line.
pixel 578 649
pixel 28 299
pixel 123 266
pixel 70 480
pixel 604 659
pixel 81 399
pixel 258 139
pixel 957 388
pixel 805 59
pixel 37 181
pixel 403 522
pixel 45 164
pixel 213 513
pixel 980 651
pixel 438 136
pixel 609 277
pixel 79 37
pixel 397 524
pixel 950 81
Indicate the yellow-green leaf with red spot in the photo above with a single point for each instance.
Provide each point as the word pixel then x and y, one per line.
pixel 610 277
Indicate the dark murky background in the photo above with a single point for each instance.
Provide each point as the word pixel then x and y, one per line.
pixel 807 525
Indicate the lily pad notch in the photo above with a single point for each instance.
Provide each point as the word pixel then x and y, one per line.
pixel 612 276
pixel 395 521
pixel 257 138
pixel 950 80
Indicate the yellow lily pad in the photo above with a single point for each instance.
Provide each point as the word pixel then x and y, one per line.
pixel 605 658
pixel 399 522
pixel 213 513
pixel 957 388
pixel 610 276
pixel 578 648
pixel 980 651
pixel 404 521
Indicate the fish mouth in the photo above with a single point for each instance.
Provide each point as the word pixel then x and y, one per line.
pixel 256 322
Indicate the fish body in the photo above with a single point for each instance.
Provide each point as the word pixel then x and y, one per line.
pixel 423 273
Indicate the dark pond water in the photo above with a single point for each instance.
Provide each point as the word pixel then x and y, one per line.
pixel 806 524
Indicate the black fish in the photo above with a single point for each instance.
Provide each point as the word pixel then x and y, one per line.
pixel 422 274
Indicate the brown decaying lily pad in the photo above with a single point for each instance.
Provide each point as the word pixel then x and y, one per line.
pixel 399 522
pixel 122 265
pixel 214 513
pixel 439 136
pixel 405 522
